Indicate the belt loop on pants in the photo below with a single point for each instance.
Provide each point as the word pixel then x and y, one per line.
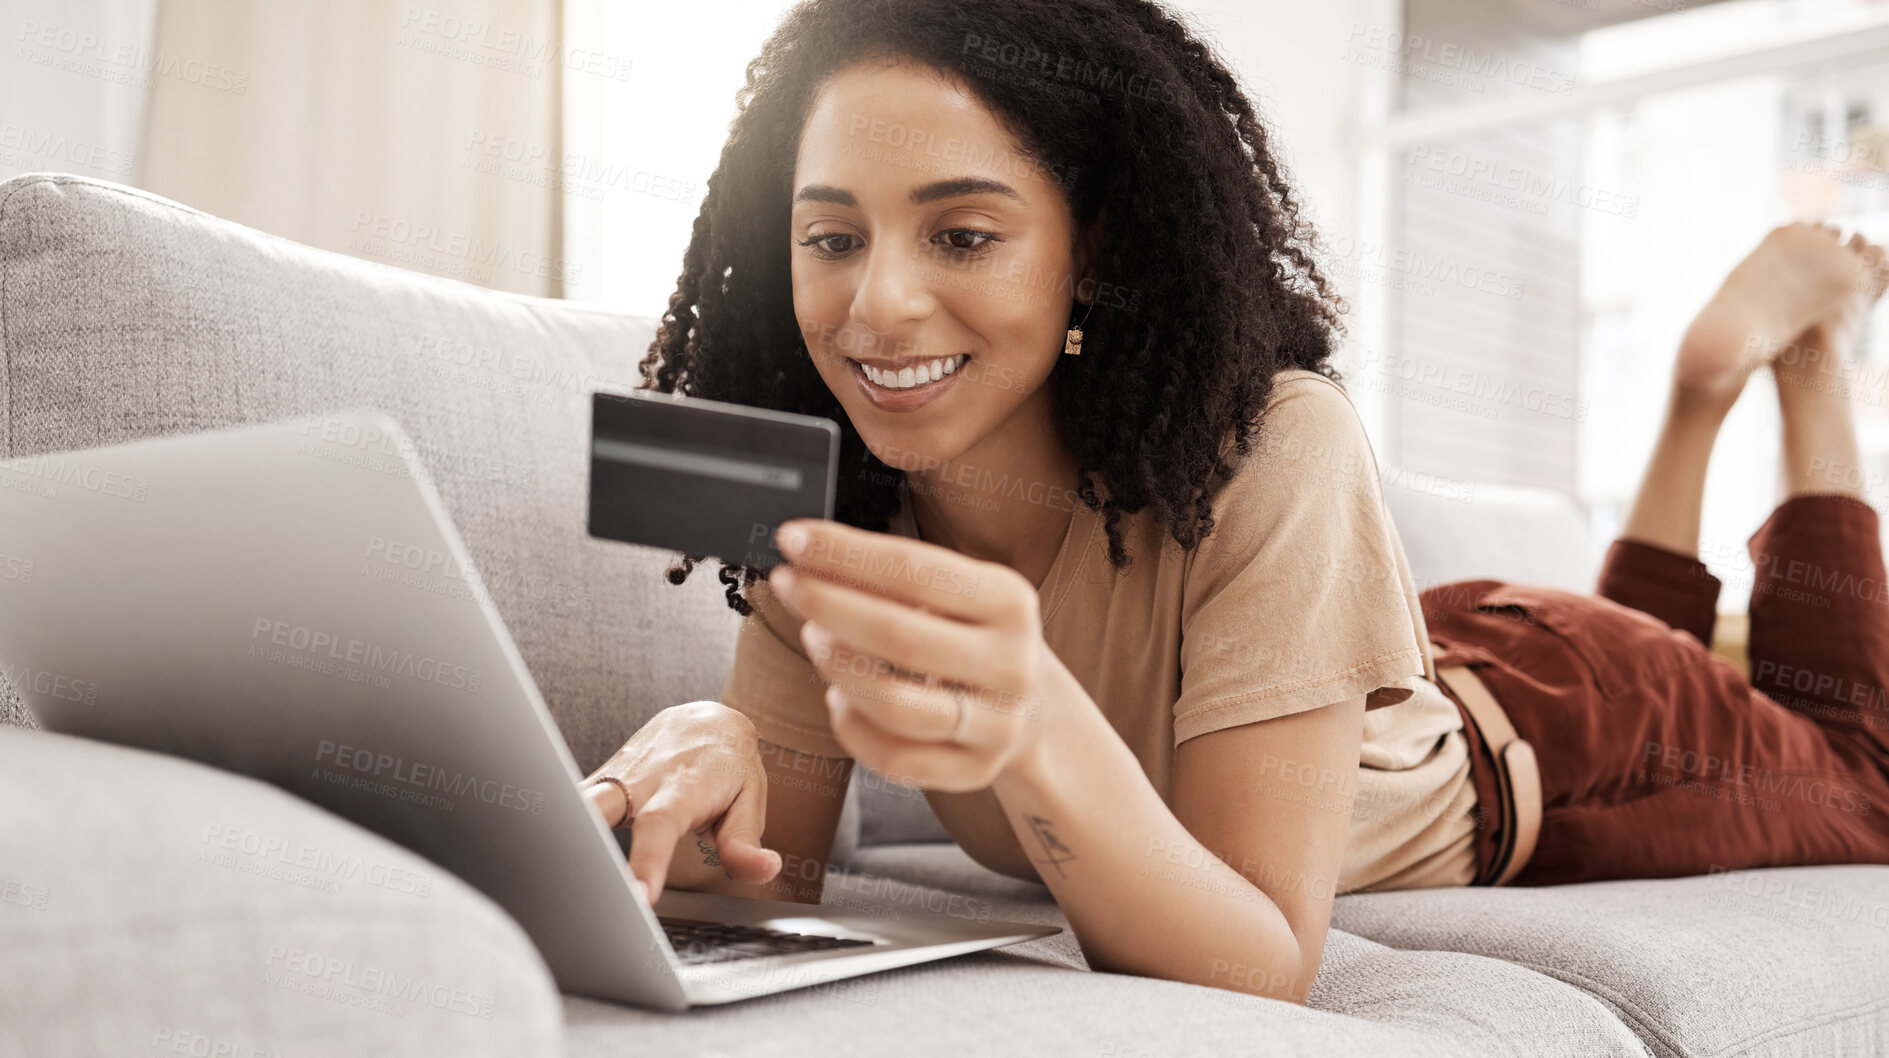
pixel 1517 775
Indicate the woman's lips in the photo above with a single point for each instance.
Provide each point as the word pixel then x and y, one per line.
pixel 903 399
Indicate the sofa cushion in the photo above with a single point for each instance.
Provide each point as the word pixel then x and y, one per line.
pixel 124 315
pixel 891 813
pixel 1037 997
pixel 1779 961
pixel 150 905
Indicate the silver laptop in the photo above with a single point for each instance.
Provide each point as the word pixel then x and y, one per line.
pixel 291 602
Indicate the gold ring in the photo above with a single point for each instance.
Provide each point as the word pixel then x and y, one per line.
pixel 629 803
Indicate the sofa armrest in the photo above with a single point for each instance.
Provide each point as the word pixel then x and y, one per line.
pixel 153 905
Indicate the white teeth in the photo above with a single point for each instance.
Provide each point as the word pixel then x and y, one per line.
pixel 908 377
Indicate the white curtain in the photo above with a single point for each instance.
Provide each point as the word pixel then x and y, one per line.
pixel 71 86
pixel 424 135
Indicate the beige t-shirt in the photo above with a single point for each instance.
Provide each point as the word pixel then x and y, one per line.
pixel 1301 597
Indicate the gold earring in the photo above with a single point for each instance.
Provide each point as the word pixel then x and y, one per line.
pixel 1072 342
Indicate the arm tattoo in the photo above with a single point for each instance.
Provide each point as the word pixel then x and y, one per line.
pixel 1055 852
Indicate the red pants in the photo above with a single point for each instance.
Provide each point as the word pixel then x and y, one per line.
pixel 1657 758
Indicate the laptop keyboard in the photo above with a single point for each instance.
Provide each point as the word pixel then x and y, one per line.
pixel 702 942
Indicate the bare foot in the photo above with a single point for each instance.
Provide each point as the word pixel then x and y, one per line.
pixel 1816 361
pixel 1799 274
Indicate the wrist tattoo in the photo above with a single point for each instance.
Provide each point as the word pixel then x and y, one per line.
pixel 1055 852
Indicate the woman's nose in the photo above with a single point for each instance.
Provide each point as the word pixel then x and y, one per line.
pixel 893 291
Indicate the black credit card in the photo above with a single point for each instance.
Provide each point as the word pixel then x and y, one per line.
pixel 705 477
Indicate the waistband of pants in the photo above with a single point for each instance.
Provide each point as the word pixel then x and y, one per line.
pixel 1516 775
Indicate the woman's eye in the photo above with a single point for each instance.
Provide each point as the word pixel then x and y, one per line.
pixel 834 245
pixel 822 244
pixel 967 239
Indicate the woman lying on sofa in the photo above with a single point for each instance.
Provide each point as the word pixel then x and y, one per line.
pixel 1111 578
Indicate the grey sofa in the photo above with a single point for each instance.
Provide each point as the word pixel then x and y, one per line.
pixel 141 911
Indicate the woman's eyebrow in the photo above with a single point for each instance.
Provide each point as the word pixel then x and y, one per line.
pixel 932 192
pixel 826 193
pixel 964 185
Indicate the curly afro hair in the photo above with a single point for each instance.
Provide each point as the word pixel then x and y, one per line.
pixel 1150 130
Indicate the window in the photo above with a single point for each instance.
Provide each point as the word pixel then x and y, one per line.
pixel 638 152
pixel 1562 191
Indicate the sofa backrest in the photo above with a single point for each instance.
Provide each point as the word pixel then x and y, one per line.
pixel 124 316
pixel 1455 531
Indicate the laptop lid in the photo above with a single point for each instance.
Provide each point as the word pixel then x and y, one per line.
pixel 291 602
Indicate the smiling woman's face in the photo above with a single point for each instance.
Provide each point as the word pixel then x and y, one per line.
pixel 925 240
